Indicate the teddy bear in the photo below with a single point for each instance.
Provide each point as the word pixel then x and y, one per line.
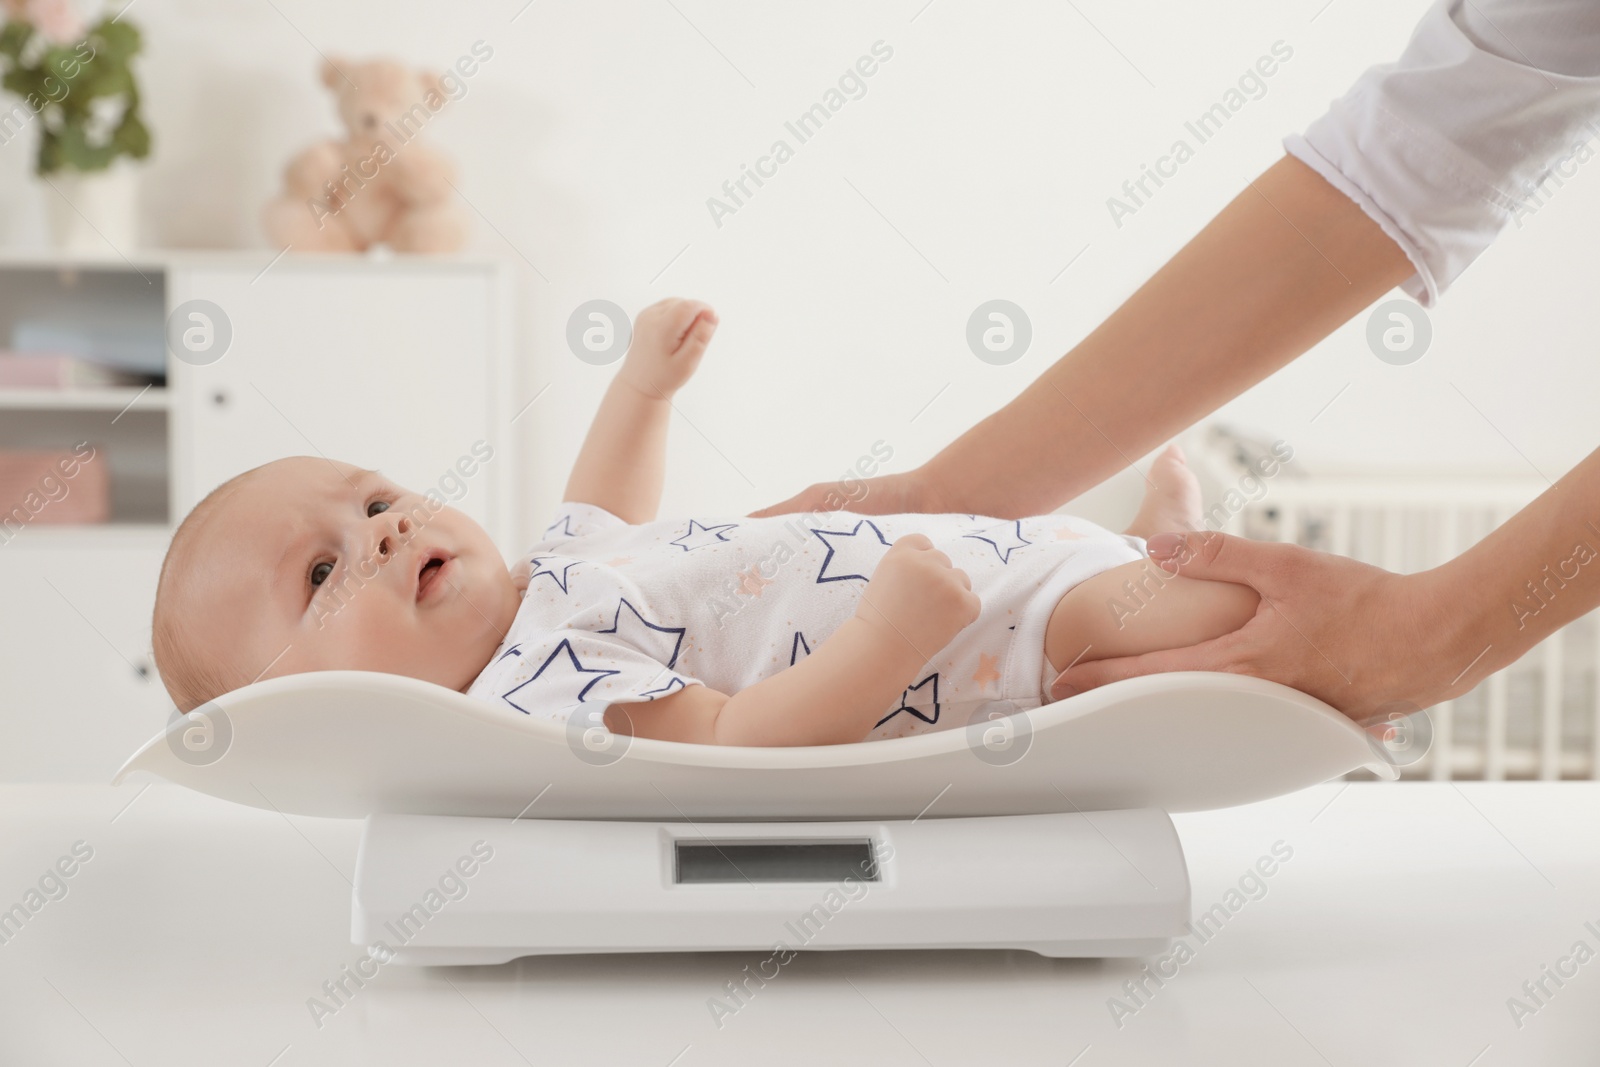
pixel 382 184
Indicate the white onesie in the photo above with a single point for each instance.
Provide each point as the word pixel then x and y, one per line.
pixel 615 613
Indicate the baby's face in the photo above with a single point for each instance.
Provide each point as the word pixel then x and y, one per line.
pixel 316 565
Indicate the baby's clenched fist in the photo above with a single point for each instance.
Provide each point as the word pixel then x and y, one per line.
pixel 917 598
pixel 669 337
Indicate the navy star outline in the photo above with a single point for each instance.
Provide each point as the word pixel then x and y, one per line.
pixel 561 579
pixel 565 522
pixel 934 678
pixel 829 557
pixel 675 683
pixel 616 623
pixel 703 529
pixel 798 644
pixel 577 668
pixel 1004 554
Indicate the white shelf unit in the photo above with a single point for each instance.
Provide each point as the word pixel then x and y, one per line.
pixel 399 363
pixel 116 398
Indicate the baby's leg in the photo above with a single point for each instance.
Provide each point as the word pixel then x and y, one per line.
pixel 1138 608
pixel 1171 498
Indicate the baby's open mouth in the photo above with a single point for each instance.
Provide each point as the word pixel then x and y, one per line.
pixel 429 574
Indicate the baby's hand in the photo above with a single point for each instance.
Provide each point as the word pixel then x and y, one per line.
pixel 669 337
pixel 917 598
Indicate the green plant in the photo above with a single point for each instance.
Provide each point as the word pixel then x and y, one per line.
pixel 84 93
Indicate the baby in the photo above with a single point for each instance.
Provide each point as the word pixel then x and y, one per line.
pixel 805 629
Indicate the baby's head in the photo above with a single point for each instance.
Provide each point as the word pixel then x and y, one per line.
pixel 308 564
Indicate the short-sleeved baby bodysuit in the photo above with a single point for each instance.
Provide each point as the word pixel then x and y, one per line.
pixel 620 613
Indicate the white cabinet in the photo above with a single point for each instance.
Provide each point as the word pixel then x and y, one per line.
pixel 392 366
pixel 400 364
pixel 80 690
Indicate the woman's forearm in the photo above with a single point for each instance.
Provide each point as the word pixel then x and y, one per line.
pixel 831 697
pixel 622 464
pixel 1521 583
pixel 1284 264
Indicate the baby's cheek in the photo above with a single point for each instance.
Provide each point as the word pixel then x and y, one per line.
pixel 374 641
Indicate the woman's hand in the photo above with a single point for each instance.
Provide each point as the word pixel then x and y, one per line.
pixel 887 494
pixel 669 337
pixel 1365 640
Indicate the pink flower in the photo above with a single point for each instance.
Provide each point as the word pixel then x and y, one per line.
pixel 58 20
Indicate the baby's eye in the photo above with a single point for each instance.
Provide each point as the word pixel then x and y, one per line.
pixel 381 505
pixel 320 572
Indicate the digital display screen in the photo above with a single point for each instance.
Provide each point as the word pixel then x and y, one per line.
pixel 757 862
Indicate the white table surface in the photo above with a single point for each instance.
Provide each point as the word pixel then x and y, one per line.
pixel 1405 918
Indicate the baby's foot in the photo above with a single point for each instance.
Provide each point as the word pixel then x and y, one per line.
pixel 1172 499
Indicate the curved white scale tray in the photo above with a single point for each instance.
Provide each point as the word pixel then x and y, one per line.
pixel 356 743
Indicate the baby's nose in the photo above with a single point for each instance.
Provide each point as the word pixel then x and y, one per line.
pixel 386 545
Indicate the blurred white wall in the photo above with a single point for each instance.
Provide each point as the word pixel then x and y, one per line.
pixel 977 165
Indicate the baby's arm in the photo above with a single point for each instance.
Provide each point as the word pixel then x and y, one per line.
pixel 623 459
pixel 914 605
pixel 832 696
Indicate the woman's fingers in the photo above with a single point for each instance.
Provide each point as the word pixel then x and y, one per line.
pixel 886 494
pixel 1082 677
pixel 1222 557
pixel 1352 635
pixel 808 499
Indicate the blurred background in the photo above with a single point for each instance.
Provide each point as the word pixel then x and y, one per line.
pixel 154 307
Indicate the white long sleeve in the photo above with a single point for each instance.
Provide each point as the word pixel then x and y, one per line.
pixel 1442 147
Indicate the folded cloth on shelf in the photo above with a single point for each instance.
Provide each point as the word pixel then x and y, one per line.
pixel 57 370
pixel 133 339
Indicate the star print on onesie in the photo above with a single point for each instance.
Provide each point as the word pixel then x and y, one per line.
pixel 620 613
pixel 925 708
pixel 562 527
pixel 988 669
pixel 553 567
pixel 663 642
pixel 1004 538
pixel 856 558
pixel 696 537
pixel 559 679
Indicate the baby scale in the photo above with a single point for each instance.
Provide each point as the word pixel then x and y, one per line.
pixel 491 836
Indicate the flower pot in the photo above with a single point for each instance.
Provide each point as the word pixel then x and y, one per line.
pixel 93 212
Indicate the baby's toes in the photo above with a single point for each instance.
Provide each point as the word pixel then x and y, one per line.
pixel 1171 475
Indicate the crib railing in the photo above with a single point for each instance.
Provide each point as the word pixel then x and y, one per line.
pixel 1537 719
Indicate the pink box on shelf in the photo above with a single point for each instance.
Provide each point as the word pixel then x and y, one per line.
pixel 57 486
pixel 45 370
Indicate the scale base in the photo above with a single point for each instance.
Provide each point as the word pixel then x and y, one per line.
pixel 494 957
pixel 443 890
